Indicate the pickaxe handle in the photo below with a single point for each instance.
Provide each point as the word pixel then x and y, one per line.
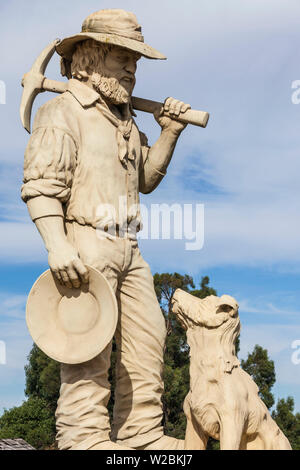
pixel 34 82
pixel 197 118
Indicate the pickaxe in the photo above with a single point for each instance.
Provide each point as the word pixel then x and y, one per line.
pixel 35 82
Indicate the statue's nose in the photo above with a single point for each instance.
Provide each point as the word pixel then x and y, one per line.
pixel 131 67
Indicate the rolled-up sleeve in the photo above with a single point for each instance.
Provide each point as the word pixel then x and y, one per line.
pixel 49 165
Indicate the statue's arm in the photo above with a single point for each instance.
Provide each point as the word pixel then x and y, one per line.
pixel 158 157
pixel 157 161
pixel 63 257
pixel 50 160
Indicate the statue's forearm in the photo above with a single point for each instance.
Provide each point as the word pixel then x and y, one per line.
pixel 48 216
pixel 52 232
pixel 162 151
pixel 158 161
pixel 64 261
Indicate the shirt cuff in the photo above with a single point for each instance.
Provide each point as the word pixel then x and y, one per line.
pixel 43 206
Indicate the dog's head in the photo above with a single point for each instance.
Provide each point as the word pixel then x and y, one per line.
pixel 211 312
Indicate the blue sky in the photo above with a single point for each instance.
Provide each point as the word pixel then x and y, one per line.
pixel 236 60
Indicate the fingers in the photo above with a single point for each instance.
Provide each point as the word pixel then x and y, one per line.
pixel 82 271
pixel 58 276
pixel 71 276
pixel 66 279
pixel 185 108
pixel 167 104
pixel 175 107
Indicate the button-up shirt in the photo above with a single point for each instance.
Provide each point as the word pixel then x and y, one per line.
pixel 74 155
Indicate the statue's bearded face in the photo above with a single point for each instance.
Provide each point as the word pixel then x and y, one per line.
pixel 116 79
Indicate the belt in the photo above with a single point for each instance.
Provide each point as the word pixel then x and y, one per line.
pixel 121 231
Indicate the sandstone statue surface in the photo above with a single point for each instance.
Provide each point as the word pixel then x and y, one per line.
pixel 223 401
pixel 86 153
pixel 85 164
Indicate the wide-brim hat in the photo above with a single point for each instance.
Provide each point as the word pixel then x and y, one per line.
pixel 72 326
pixel 116 27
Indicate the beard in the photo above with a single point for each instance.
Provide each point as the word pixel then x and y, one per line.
pixel 111 89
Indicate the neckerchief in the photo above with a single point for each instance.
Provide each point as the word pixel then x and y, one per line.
pixel 123 132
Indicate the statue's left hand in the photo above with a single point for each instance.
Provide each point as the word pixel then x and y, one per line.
pixel 174 108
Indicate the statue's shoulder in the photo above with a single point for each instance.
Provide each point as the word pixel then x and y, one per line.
pixel 57 112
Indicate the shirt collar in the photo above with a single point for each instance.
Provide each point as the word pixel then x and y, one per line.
pixel 85 95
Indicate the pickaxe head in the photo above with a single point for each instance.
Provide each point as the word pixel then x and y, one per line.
pixel 33 83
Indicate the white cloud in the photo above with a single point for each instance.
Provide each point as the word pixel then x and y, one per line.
pixel 267 309
pixel 235 60
pixel 12 306
pixel 277 339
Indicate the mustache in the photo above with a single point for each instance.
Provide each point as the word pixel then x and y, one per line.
pixel 129 78
pixel 111 88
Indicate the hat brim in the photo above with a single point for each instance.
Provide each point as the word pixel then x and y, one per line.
pixel 66 47
pixel 72 326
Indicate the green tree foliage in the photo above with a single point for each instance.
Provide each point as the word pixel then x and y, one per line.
pixel 42 377
pixel 204 290
pixel 33 421
pixel 166 284
pixel 262 370
pixel 287 421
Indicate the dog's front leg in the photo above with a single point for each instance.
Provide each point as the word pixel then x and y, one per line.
pixel 231 433
pixel 195 437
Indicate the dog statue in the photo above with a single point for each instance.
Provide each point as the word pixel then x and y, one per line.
pixel 223 401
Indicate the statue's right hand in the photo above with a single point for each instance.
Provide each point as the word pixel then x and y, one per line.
pixel 67 267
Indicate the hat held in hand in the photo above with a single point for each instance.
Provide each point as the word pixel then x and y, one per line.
pixel 72 326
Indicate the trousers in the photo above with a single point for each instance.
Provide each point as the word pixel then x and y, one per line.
pixel 82 418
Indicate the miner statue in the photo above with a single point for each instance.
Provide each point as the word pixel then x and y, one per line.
pixel 85 164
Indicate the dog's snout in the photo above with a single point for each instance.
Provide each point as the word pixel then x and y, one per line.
pixel 175 305
pixel 177 295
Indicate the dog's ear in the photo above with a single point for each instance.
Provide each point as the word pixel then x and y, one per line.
pixel 213 311
pixel 228 305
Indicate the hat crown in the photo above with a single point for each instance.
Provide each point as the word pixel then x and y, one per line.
pixel 114 21
pixel 112 26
